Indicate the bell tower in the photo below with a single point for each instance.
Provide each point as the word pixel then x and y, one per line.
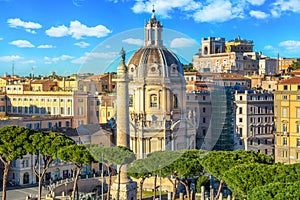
pixel 153 32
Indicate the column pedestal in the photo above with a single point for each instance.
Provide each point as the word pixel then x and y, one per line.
pixel 128 190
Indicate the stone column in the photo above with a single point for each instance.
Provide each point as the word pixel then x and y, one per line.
pixel 128 188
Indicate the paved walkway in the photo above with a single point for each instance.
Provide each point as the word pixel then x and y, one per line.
pixel 20 193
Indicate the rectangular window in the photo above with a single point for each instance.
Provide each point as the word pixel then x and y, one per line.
pixel 298 128
pixel 284 112
pixel 284 142
pixel 241 132
pixel 285 87
pixel 298 113
pixel 241 98
pixel 54 110
pixel 36 125
pixel 284 97
pixel 204 120
pixel 284 128
pixel 240 110
pixel 130 100
pixel 203 131
pixel 69 111
pixel 298 142
pixel 240 119
pixel 203 110
pixel 298 97
pixel 62 110
pixel 153 100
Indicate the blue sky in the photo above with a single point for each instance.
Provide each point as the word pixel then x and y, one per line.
pixel 72 36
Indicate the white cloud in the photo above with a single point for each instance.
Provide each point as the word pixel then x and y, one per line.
pixel 46 46
pixel 269 47
pixel 105 55
pixel 82 44
pixel 30 31
pixel 22 43
pixel 256 2
pixel 290 45
pixel 219 11
pixel 79 60
pixel 10 58
pixel 164 8
pixel 182 43
pixel 59 31
pixel 285 6
pixel 133 41
pixel 17 22
pixel 95 55
pixel 49 60
pixel 78 30
pixel 258 14
pixel 66 57
pixel 29 62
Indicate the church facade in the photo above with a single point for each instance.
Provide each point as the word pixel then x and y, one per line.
pixel 157 97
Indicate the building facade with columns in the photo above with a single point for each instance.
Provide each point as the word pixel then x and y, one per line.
pixel 157 97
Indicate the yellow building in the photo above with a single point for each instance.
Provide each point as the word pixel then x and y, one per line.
pixel 287 112
pixel 106 108
pixel 239 45
pixel 82 106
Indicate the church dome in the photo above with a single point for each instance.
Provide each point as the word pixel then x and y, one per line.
pixel 153 57
pixel 146 58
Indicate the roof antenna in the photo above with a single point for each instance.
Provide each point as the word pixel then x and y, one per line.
pixel 13 68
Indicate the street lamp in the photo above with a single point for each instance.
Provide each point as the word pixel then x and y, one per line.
pixel 160 182
pixel 66 184
pixel 102 175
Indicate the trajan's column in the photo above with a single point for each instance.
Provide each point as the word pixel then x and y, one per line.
pixel 128 188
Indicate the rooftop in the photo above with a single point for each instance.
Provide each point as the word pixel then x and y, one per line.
pixel 293 80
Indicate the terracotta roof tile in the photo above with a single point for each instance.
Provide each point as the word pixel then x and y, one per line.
pixel 293 80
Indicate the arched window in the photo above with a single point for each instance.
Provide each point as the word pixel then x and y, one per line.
pixel 153 100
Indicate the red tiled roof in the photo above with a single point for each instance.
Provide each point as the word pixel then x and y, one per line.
pixel 293 80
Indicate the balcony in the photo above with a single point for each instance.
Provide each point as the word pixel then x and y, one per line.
pixel 282 134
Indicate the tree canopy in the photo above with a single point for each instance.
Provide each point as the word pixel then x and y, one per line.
pixel 276 191
pixel 242 179
pixel 217 163
pixel 12 146
pixel 79 155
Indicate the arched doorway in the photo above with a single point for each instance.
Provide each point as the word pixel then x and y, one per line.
pixel 26 178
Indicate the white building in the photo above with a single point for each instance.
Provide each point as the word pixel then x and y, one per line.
pixel 254 121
